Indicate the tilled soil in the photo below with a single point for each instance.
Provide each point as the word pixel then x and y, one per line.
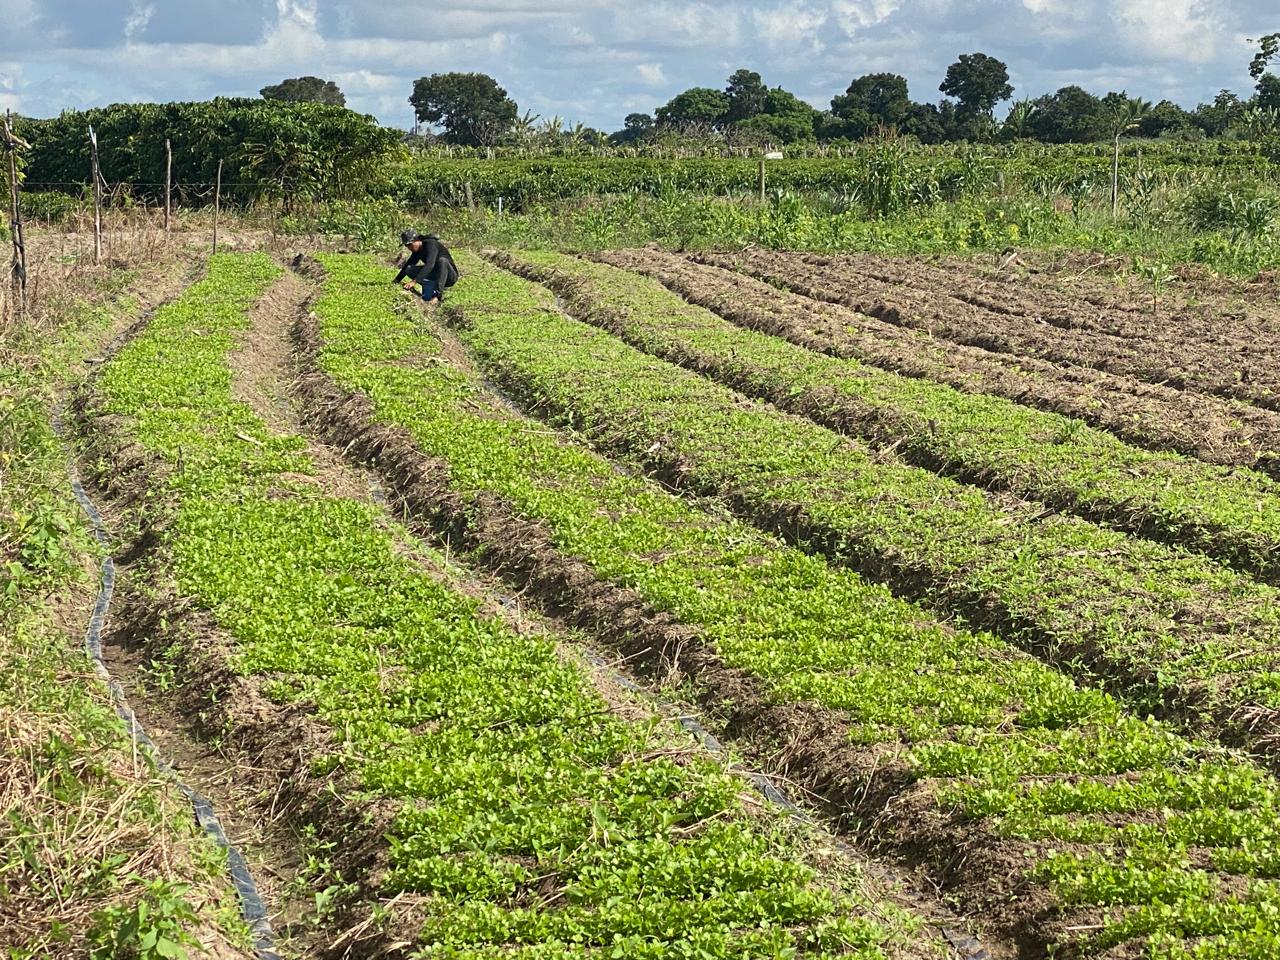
pixel 1226 359
pixel 867 788
pixel 869 326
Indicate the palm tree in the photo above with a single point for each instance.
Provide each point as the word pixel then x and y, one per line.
pixel 1015 124
pixel 1125 114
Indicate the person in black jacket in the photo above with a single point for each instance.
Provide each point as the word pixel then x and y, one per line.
pixel 429 264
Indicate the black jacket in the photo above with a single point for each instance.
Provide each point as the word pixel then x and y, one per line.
pixel 427 255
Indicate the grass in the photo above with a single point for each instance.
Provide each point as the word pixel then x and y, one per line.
pixel 100 855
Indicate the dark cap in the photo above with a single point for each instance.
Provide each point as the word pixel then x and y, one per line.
pixel 408 236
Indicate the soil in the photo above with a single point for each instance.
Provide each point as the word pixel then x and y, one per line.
pixel 1203 706
pixel 866 791
pixel 826 318
pixel 895 430
pixel 1232 355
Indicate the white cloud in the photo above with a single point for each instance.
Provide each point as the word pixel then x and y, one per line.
pixel 791 25
pixel 854 16
pixel 651 74
pixel 135 25
pixel 674 24
pixel 1166 29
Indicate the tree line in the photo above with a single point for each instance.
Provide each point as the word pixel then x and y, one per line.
pixel 472 109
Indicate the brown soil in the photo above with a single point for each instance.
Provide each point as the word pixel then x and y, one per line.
pixel 1219 356
pixel 1160 417
pixel 897 430
pixel 1076 605
pixel 867 791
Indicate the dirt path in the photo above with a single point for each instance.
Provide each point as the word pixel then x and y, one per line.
pixel 819 316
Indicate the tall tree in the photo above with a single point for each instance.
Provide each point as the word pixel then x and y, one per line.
pixel 783 118
pixel 636 127
pixel 747 94
pixel 471 107
pixel 1218 117
pixel 979 82
pixel 1072 115
pixel 305 90
pixel 698 105
pixel 1268 50
pixel 876 99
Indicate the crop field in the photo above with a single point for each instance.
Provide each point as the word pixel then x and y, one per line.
pixel 671 605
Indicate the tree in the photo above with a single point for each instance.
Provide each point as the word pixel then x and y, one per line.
pixel 746 93
pixel 1218 117
pixel 1072 115
pixel 876 99
pixel 1268 92
pixel 979 82
pixel 1165 119
pixel 1268 50
pixel 305 90
pixel 783 118
pixel 698 105
pixel 636 128
pixel 1122 114
pixel 471 107
pixel 1017 123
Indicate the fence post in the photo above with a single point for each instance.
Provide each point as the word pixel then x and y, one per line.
pixel 217 204
pixel 168 182
pixel 96 172
pixel 762 179
pixel 18 265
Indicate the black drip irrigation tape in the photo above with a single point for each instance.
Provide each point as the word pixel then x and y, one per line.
pixel 252 908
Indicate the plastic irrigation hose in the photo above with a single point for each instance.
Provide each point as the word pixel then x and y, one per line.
pixel 252 908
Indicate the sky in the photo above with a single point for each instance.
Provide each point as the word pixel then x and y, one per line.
pixel 595 61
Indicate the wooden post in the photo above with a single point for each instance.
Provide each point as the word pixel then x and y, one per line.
pixel 471 200
pixel 96 172
pixel 217 204
pixel 762 179
pixel 168 183
pixel 1115 180
pixel 18 265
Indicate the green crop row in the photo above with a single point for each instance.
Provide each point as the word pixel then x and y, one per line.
pixel 1232 515
pixel 1018 754
pixel 1159 624
pixel 532 819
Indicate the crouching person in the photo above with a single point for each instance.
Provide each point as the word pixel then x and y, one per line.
pixel 430 265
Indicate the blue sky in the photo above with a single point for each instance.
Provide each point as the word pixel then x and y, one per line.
pixel 597 60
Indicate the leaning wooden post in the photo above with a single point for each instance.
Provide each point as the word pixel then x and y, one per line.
pixel 18 265
pixel 168 183
pixel 96 172
pixel 217 204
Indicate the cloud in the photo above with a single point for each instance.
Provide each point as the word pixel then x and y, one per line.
pixel 1167 29
pixel 651 74
pixel 597 60
pixel 791 25
pixel 136 23
pixel 855 16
